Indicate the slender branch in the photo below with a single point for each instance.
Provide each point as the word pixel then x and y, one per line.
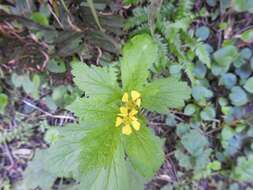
pixel 47 113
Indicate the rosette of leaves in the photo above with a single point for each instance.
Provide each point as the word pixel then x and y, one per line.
pixel 103 156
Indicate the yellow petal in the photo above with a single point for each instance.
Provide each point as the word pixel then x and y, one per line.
pixel 125 97
pixel 118 122
pixel 133 112
pixel 133 118
pixel 138 102
pixel 136 125
pixel 135 95
pixel 127 130
pixel 124 110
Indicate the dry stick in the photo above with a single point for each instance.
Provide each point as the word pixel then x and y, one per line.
pixel 49 114
pixel 8 153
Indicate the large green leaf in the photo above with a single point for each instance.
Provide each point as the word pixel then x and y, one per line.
pixel 63 156
pixel 165 93
pixel 138 55
pixel 96 81
pixel 98 147
pixel 94 112
pixel 118 175
pixel 144 151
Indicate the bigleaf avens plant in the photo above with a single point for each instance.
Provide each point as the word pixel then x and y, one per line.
pixel 111 147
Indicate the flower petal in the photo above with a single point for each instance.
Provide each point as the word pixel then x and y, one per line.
pixel 127 130
pixel 125 97
pixel 136 125
pixel 133 112
pixel 133 118
pixel 123 110
pixel 118 122
pixel 138 102
pixel 135 95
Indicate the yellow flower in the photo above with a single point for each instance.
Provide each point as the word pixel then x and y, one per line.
pixel 128 112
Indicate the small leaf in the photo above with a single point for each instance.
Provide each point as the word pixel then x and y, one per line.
pixel 199 70
pixel 246 53
pixel 208 113
pixel 238 96
pixel 56 66
pixel 215 165
pixel 3 102
pixel 242 5
pixel 228 80
pixel 190 109
pixel 226 55
pixel 39 18
pixel 249 85
pixel 202 32
pixel 165 93
pixel 183 159
pixel 192 146
pixel 247 36
pixel 51 135
pixel 244 169
pixel 200 93
pixel 211 3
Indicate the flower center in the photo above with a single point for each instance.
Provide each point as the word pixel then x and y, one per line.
pixel 128 112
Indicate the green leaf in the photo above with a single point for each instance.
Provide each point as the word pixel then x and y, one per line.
pixel 3 102
pixel 203 55
pixel 165 93
pixel 96 81
pixel 56 66
pixel 200 93
pixel 243 5
pixel 208 113
pixel 39 18
pixel 27 84
pixel 192 146
pixel 249 85
pixel 142 145
pixel 183 159
pixel 226 55
pixel 244 169
pixel 94 112
pixel 190 109
pixel 37 167
pixel 215 165
pixel 62 157
pixel 118 175
pixel 127 2
pixel 138 55
pixel 202 32
pixel 51 135
pixel 98 148
pixel 247 36
pixel 238 96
